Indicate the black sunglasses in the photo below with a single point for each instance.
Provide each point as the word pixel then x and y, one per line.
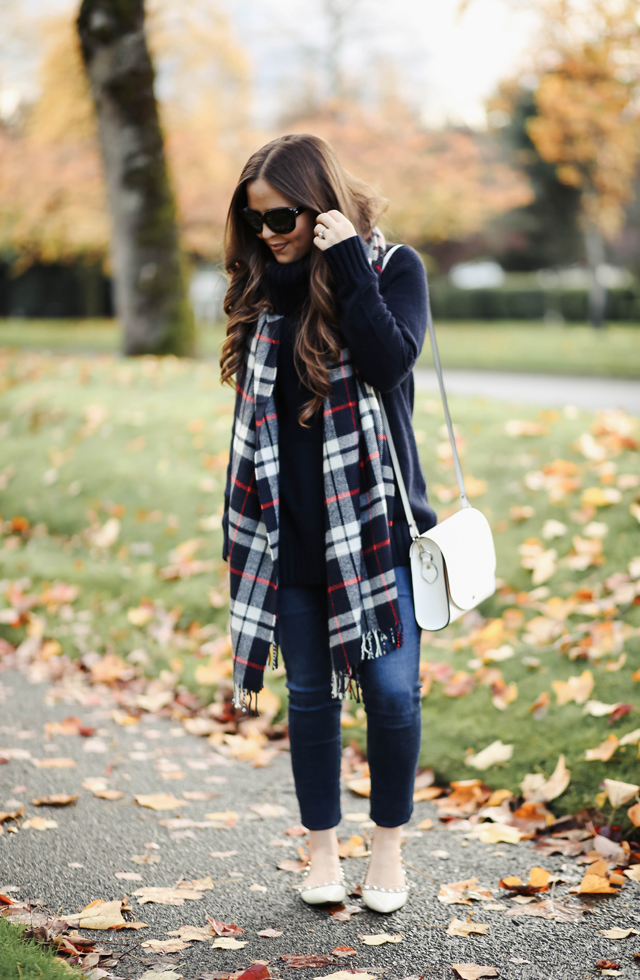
pixel 282 221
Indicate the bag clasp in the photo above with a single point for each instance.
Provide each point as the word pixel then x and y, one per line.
pixel 429 570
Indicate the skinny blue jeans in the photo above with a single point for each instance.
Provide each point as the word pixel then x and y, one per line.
pixel 391 692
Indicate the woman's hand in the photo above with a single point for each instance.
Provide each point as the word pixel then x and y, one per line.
pixel 333 228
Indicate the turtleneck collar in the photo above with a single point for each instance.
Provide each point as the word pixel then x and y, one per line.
pixel 287 284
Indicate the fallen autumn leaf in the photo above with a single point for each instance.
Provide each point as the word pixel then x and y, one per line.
pixel 160 801
pixel 471 971
pixel 56 799
pixel 459 928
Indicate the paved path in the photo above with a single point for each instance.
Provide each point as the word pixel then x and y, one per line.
pixel 67 867
pixel 538 389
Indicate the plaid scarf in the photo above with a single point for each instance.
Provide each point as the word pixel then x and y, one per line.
pixel 362 607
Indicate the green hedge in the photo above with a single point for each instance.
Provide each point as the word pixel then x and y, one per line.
pixel 450 303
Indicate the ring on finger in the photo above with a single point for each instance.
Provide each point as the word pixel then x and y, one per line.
pixel 320 234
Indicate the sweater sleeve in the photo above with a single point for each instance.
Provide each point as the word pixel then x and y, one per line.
pixel 382 320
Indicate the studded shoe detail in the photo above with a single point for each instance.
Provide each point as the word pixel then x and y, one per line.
pixel 328 891
pixel 385 900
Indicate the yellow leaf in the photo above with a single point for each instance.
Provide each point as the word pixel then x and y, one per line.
pixel 596 885
pixel 352 847
pixel 55 799
pixel 496 833
pixel 140 615
pixel 577 688
pixel 160 801
pixel 168 896
pixel 165 946
pixel 39 823
pixel 426 793
pixel 600 497
pixel 227 942
pixel 604 751
pixel 498 797
pixel 380 939
pixel 471 971
pixel 461 892
pixel 223 816
pixel 362 786
pixel 100 915
pixel 459 928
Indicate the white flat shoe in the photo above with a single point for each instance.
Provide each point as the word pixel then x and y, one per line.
pixel 384 900
pixel 328 891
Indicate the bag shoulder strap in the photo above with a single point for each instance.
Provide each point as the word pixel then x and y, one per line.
pixel 443 394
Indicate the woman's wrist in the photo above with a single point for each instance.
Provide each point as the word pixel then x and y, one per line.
pixel 348 261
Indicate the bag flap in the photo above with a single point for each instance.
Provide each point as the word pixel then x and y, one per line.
pixel 466 543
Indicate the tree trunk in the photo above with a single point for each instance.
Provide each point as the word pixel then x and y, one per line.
pixel 597 291
pixel 150 294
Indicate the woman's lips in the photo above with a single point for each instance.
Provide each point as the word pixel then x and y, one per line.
pixel 279 246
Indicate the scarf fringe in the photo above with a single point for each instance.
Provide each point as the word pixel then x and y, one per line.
pixel 375 643
pixel 344 685
pixel 245 700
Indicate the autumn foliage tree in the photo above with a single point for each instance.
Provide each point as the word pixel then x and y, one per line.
pixel 443 186
pixel 60 213
pixel 587 125
pixel 588 112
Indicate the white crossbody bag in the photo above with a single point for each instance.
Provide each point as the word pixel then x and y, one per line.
pixel 453 565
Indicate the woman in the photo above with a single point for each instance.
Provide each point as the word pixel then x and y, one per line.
pixel 315 535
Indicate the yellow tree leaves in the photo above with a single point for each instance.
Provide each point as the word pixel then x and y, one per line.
pixel 576 688
pixel 587 126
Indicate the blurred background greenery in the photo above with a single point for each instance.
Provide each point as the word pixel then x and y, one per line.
pixel 503 133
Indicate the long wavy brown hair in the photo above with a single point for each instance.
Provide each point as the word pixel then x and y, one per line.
pixel 306 170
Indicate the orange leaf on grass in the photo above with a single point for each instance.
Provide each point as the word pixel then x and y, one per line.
pixel 634 814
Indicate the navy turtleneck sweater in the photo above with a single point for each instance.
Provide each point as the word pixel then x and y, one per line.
pixel 383 322
pixel 301 539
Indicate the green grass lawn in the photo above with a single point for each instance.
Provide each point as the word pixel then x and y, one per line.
pixel 501 346
pixel 24 959
pixel 119 468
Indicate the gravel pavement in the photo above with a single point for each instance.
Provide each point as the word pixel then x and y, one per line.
pixel 67 867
